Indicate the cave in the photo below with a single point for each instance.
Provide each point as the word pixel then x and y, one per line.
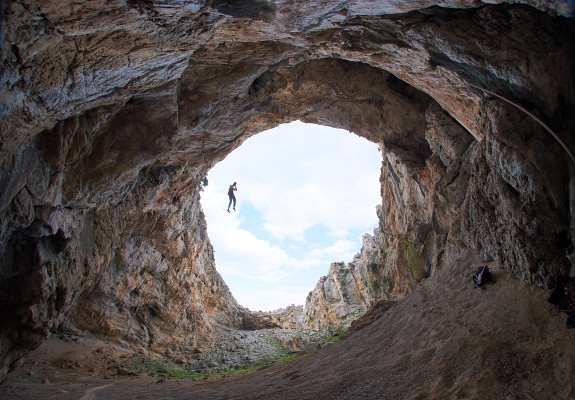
pixel 114 112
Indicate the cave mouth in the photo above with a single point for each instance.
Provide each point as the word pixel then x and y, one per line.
pixel 102 229
pixel 306 196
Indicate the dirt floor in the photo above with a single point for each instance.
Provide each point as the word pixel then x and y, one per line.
pixel 445 341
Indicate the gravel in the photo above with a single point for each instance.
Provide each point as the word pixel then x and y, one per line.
pixel 246 349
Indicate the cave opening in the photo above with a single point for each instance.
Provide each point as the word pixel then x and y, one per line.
pixel 306 196
pixel 114 117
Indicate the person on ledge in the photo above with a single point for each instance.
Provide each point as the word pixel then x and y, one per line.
pixel 232 196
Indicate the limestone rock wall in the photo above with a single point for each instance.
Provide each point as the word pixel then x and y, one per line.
pixel 336 299
pixel 113 112
pixel 462 196
pixel 377 272
pixel 289 317
pixel 132 272
pixel 160 290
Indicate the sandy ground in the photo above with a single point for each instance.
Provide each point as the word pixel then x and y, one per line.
pixel 445 341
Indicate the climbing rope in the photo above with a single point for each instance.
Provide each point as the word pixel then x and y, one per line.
pixel 543 124
pixel 245 146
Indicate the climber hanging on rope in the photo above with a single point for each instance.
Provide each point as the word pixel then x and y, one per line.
pixel 232 196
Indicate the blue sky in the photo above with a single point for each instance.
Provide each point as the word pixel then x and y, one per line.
pixel 306 194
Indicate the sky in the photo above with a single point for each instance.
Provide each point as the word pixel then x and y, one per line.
pixel 306 195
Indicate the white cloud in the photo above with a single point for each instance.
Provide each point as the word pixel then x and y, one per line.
pixel 238 251
pixel 299 184
pixel 298 180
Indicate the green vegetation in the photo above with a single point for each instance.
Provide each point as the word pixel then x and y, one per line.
pixel 222 366
pixel 342 330
pixel 413 259
pixel 336 337
pixel 359 315
pixel 250 369
pixel 155 367
pixel 273 343
pixel 169 372
pixel 369 40
pixel 387 267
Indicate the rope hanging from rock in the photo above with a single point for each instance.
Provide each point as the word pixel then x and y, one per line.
pixel 543 124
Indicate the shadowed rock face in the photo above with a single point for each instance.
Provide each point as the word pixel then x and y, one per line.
pixel 113 113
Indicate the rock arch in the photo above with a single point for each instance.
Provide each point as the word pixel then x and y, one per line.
pixel 112 115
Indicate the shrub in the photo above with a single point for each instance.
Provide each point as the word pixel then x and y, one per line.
pixel 413 259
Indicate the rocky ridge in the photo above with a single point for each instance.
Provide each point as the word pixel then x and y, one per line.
pixel 290 317
pixel 349 290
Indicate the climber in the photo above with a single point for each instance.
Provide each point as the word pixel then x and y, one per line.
pixel 232 196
